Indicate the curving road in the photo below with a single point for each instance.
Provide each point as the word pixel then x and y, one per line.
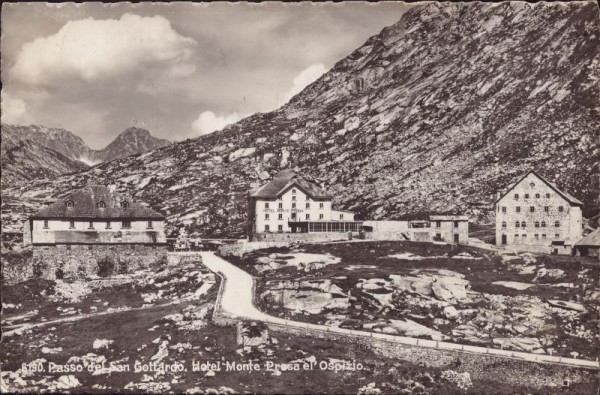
pixel 236 301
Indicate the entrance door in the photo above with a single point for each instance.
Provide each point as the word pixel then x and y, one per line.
pixel 456 238
pixel 503 240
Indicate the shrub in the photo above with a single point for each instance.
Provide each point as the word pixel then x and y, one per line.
pixel 106 266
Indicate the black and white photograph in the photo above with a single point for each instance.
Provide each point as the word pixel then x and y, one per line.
pixel 358 198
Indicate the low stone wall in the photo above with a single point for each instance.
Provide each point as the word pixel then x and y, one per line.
pixel 480 366
pixel 52 262
pixel 304 237
pixel 239 249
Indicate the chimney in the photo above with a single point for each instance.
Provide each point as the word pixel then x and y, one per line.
pixel 498 194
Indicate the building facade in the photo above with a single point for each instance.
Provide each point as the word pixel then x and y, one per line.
pixel 448 228
pixel 292 204
pixel 94 231
pixel 534 215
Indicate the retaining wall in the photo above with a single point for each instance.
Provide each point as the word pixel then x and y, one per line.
pixel 239 249
pixel 303 237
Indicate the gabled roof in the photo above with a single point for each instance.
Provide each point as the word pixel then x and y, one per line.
pixel 573 201
pixel 591 240
pixel 86 204
pixel 284 181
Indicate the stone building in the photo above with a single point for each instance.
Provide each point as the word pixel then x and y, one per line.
pixel 534 215
pixel 449 228
pixel 589 245
pixel 292 204
pixel 94 231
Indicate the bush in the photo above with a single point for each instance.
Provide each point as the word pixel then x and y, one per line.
pixel 106 266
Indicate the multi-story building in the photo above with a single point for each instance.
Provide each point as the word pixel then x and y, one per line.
pixel 92 227
pixel 447 227
pixel 534 215
pixel 292 204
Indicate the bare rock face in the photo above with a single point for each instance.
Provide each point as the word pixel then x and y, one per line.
pixel 437 112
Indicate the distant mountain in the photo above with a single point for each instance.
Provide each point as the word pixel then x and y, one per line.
pixel 24 160
pixel 437 112
pixel 130 142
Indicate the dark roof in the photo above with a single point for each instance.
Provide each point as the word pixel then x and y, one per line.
pixel 284 181
pixel 566 196
pixel 591 240
pixel 85 205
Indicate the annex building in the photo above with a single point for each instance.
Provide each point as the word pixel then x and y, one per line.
pixel 534 215
pixel 451 228
pixel 94 231
pixel 291 204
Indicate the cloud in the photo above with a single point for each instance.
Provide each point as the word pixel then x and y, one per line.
pixel 305 78
pixel 92 50
pixel 208 122
pixel 13 110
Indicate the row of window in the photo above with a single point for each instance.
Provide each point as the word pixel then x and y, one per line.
pixel 537 196
pixel 101 204
pixel 321 205
pixel 537 224
pixel 536 236
pixel 307 216
pixel 531 209
pixel 91 247
pixel 124 225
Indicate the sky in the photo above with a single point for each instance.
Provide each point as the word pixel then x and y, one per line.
pixel 180 70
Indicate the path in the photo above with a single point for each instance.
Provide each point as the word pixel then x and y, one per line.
pixel 236 301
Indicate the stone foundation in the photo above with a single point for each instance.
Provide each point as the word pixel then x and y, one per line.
pixel 85 261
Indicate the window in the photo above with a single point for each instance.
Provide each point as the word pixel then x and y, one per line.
pixel 126 224
pixel 526 196
pixel 72 225
pixel 294 198
pixel 267 229
pixel 543 224
pixel 523 224
pixel 124 204
pixel 557 224
pixel 504 224
pixel 321 205
pixel 504 210
pixel 280 228
pixel 149 226
pixel 547 196
pixel 307 206
pixel 280 205
pixel 293 205
pixel 438 224
pixel 518 208
pixel 280 217
pixel 280 198
pixel 266 204
pixel 546 209
pixel 561 209
pixel 307 217
pixel 556 235
pixel 91 225
pixel 341 216
pixel 69 204
pixel 68 246
pixel 45 224
pixel 320 216
pixel 537 195
pixel 523 236
pixel 537 224
pixel 532 184
pixel 517 224
pixel 456 224
pixel 543 235
pixel 101 205
pixel 531 209
pixel 108 225
pixel 294 191
pixel 536 236
pixel 90 247
pixel 266 216
pixel 293 216
pixel 516 196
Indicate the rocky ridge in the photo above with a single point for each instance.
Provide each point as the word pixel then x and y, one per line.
pixel 437 112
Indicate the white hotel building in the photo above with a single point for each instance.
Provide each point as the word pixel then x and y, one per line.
pixel 292 204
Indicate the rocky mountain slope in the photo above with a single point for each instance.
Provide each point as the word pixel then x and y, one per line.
pixel 25 160
pixel 130 142
pixel 437 112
